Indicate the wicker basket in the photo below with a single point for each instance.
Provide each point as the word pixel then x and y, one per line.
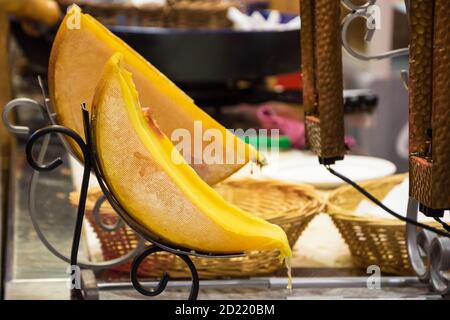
pixel 372 240
pixel 200 14
pixel 186 14
pixel 288 205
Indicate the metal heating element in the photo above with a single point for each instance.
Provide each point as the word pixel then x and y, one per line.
pixel 429 114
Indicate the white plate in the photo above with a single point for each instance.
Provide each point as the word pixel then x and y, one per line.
pixel 306 169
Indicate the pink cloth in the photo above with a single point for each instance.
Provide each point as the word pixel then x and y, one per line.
pixel 292 128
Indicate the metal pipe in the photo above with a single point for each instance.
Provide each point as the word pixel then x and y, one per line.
pixel 275 283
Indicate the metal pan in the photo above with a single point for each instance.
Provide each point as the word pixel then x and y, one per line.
pixel 195 56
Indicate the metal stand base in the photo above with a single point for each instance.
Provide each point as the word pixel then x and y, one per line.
pixel 429 254
pixel 90 163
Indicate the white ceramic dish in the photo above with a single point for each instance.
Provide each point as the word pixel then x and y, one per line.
pixel 298 167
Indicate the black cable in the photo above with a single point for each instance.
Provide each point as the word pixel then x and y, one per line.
pixel 382 206
pixel 444 225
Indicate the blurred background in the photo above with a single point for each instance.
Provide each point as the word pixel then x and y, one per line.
pixel 240 61
pixel 232 66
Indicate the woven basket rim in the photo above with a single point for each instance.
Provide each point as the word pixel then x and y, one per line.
pixel 337 212
pixel 310 193
pixel 317 201
pixel 255 263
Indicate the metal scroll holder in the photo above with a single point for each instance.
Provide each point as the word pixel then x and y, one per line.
pixel 90 166
pixel 429 253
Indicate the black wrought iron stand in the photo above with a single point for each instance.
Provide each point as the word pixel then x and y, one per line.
pixel 90 164
pixel 76 290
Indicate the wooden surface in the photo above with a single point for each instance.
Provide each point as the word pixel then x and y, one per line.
pixel 429 103
pixel 323 77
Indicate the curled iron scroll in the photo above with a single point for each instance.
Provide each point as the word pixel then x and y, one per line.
pixel 25 131
pixel 165 278
pixel 42 167
pixel 364 11
pixel 424 246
